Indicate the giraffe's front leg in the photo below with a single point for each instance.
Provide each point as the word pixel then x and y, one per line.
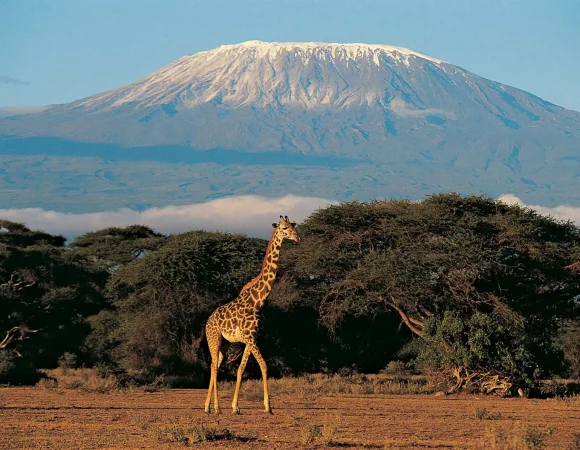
pixel 264 370
pixel 241 369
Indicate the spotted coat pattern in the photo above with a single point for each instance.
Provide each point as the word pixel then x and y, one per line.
pixel 239 320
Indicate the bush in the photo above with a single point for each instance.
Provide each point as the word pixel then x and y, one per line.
pixel 477 345
pixel 67 361
pixel 188 432
pixel 535 436
pixel 87 380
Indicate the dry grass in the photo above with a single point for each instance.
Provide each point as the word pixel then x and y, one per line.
pixel 484 414
pixel 310 387
pixel 531 437
pixel 570 399
pixel 84 379
pixel 320 434
pixel 188 431
pixel 574 442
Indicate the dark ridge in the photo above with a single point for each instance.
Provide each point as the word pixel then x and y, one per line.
pixel 53 146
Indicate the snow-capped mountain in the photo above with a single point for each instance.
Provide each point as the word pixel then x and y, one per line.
pixel 423 117
pixel 261 74
pixel 343 99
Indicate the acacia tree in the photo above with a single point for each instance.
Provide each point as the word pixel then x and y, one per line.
pixel 114 247
pixel 162 300
pixel 44 291
pixel 482 285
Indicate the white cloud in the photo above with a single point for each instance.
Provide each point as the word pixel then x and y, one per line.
pixel 248 214
pixel 563 212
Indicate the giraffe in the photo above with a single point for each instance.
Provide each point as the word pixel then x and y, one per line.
pixel 239 320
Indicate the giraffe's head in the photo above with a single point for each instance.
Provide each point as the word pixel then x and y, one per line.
pixel 286 229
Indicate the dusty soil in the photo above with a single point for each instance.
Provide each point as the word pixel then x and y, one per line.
pixel 53 418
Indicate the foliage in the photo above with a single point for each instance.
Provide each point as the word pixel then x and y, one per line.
pixel 478 344
pixel 45 296
pixel 164 298
pixel 114 247
pixel 472 272
pixel 489 291
pixel 569 341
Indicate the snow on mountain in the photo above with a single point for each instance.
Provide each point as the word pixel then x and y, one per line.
pixel 304 75
pixel 423 120
pixel 340 99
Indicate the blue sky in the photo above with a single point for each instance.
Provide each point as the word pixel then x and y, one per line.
pixel 55 51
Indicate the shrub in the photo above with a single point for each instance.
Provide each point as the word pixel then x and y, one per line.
pixel 87 380
pixel 535 436
pixel 484 414
pixel 67 361
pixel 310 433
pixel 575 442
pixel 186 431
pixel 468 347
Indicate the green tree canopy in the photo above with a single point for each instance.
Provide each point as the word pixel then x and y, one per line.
pixel 446 254
pixel 163 298
pixel 113 247
pixel 45 296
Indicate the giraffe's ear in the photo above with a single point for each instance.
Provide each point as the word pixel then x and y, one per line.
pixel 275 225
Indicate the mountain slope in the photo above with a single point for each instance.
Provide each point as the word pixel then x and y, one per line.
pixel 371 104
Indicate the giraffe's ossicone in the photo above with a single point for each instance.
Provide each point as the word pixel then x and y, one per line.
pixel 239 320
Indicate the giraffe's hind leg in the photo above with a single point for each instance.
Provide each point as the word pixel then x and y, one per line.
pixel 214 338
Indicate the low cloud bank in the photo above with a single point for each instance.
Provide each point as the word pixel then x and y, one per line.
pixel 562 212
pixel 247 214
pixel 252 215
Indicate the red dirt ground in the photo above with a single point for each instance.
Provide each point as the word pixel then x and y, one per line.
pixel 53 418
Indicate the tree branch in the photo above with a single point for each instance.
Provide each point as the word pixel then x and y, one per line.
pixel 409 321
pixel 16 285
pixel 11 335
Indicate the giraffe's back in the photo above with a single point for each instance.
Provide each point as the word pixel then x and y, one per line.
pixel 237 321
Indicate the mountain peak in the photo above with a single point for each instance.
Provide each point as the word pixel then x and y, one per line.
pixel 351 50
pixel 281 74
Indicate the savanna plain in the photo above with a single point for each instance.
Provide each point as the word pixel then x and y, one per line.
pixel 51 417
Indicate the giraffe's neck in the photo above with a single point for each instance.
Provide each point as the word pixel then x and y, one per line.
pixel 263 285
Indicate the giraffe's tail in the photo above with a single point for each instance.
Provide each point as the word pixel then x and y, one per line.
pixel 199 350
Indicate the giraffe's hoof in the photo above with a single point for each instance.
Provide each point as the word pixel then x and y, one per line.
pixel 269 411
pixel 218 411
pixel 236 411
pixel 207 410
